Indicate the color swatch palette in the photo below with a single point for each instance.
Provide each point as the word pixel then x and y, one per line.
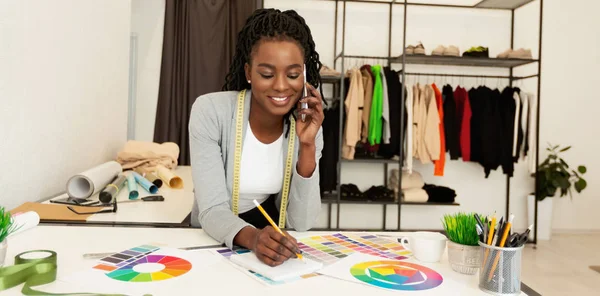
pixel 124 258
pixel 161 268
pixel 396 275
pixel 227 252
pixel 330 248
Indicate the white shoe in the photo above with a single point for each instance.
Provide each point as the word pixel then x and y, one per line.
pixel 452 51
pixel 438 51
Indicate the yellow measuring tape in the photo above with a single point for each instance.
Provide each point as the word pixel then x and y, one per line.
pixel 238 157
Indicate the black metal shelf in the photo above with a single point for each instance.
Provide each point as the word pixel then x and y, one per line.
pixel 483 4
pixel 414 203
pixel 464 61
pixel 370 160
pixel 502 4
pixel 331 198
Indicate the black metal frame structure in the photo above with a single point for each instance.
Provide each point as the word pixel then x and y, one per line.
pixel 510 64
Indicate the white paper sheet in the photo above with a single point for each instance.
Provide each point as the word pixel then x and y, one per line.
pixel 292 268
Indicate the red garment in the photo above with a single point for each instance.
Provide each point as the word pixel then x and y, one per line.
pixel 439 164
pixel 465 128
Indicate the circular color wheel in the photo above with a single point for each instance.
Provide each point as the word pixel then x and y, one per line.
pixel 396 275
pixel 174 267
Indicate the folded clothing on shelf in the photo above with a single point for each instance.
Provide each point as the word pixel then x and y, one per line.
pixel 415 195
pixel 326 71
pixel 439 194
pixel 374 193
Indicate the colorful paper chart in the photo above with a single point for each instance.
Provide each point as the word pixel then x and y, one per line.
pixel 138 265
pixel 396 275
pixel 329 249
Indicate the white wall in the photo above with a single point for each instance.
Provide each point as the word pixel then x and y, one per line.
pixel 63 92
pixel 366 34
pixel 147 23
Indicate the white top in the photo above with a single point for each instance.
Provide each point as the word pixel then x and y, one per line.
pixel 261 171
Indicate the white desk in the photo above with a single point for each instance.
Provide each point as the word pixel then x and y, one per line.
pixel 172 211
pixel 72 242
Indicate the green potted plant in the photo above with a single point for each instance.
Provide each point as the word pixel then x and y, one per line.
pixel 555 177
pixel 6 228
pixel 463 248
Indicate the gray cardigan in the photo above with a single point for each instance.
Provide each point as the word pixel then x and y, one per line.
pixel 212 146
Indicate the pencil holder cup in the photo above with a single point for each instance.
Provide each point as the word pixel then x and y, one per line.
pixel 500 272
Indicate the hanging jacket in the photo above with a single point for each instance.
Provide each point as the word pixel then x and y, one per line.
pixel 385 114
pixel 451 123
pixel 416 120
pixel 394 95
pixel 441 161
pixel 375 119
pixel 367 75
pixel 465 125
pixel 353 117
pixel 430 140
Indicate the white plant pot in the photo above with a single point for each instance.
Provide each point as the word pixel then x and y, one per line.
pixel 3 249
pixel 544 223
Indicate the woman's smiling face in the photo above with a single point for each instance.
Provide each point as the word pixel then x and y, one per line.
pixel 275 74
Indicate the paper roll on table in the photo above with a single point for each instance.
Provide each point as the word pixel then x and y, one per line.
pixel 132 186
pixel 168 177
pixel 25 221
pixel 90 182
pixel 152 177
pixel 145 183
pixel 110 192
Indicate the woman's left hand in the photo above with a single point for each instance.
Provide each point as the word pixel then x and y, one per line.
pixel 307 130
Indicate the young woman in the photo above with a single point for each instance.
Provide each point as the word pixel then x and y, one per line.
pixel 249 142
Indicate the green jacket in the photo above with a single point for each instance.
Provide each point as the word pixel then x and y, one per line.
pixel 375 119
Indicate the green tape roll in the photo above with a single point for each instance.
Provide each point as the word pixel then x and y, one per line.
pixel 33 272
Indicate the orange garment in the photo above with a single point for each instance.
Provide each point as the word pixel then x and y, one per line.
pixel 439 164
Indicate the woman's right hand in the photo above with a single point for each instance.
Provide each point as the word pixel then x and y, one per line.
pixel 272 248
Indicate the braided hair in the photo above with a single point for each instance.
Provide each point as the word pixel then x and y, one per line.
pixel 272 24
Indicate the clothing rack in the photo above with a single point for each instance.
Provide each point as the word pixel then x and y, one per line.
pixel 405 59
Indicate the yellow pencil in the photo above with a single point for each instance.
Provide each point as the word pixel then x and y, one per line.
pixel 502 242
pixel 273 224
pixel 490 237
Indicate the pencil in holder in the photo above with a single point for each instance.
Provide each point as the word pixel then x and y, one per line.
pixel 500 272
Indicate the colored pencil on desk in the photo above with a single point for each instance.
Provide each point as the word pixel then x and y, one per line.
pixel 273 223
pixel 502 242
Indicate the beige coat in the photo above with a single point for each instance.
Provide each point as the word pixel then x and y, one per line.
pixel 355 98
pixel 368 88
pixel 429 132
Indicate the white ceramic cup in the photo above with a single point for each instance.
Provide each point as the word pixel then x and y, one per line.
pixel 425 246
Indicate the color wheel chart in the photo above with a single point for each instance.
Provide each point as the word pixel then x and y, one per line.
pixel 138 265
pixel 396 275
pixel 329 249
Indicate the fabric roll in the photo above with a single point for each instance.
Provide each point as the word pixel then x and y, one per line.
pixel 90 182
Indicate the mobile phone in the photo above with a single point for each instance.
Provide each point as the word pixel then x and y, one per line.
pixel 305 94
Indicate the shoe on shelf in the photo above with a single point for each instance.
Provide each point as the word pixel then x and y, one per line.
pixel 504 54
pixel 410 49
pixel 520 53
pixel 326 71
pixel 419 49
pixel 351 192
pixel 479 51
pixel 452 51
pixel 438 51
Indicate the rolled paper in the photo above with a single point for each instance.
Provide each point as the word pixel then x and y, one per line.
pixel 90 182
pixel 168 177
pixel 152 177
pixel 24 221
pixel 110 192
pixel 145 183
pixel 132 186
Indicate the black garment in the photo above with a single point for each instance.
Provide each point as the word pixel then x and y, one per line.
pixel 330 152
pixel 491 130
pixel 439 193
pixel 476 103
pixel 394 92
pixel 451 127
pixel 257 219
pixel 508 109
pixel 520 133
